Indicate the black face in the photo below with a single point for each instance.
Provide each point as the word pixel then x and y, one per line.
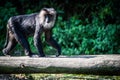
pixel 48 18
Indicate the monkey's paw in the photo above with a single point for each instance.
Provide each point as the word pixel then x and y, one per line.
pixel 5 52
pixel 42 55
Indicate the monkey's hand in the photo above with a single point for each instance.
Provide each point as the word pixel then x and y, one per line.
pixel 58 53
pixel 42 55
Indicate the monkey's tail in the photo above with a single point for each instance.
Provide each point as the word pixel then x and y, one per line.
pixel 7 37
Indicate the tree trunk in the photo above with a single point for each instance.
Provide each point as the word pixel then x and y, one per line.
pixel 83 64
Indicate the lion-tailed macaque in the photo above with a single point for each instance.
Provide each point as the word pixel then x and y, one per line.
pixel 21 26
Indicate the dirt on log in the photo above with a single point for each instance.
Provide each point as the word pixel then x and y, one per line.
pixel 83 64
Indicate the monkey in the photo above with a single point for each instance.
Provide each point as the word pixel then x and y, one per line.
pixel 20 27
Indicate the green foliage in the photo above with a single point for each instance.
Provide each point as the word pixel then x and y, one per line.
pixel 82 27
pixel 93 38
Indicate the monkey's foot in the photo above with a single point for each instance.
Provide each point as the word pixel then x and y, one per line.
pixel 42 55
pixel 5 52
pixel 57 55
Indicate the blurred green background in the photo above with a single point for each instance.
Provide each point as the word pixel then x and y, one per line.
pixel 82 26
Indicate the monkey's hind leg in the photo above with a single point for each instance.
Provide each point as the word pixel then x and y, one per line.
pixel 10 44
pixel 21 38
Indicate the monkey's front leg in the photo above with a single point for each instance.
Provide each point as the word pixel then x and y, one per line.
pixel 38 44
pixel 52 42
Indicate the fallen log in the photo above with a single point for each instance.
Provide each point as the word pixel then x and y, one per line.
pixel 83 64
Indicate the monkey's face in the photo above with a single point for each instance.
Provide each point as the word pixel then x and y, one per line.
pixel 48 17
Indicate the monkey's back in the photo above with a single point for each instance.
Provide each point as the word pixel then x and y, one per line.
pixel 25 23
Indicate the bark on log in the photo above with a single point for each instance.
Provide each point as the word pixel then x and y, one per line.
pixel 84 64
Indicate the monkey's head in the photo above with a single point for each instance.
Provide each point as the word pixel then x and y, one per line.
pixel 47 17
